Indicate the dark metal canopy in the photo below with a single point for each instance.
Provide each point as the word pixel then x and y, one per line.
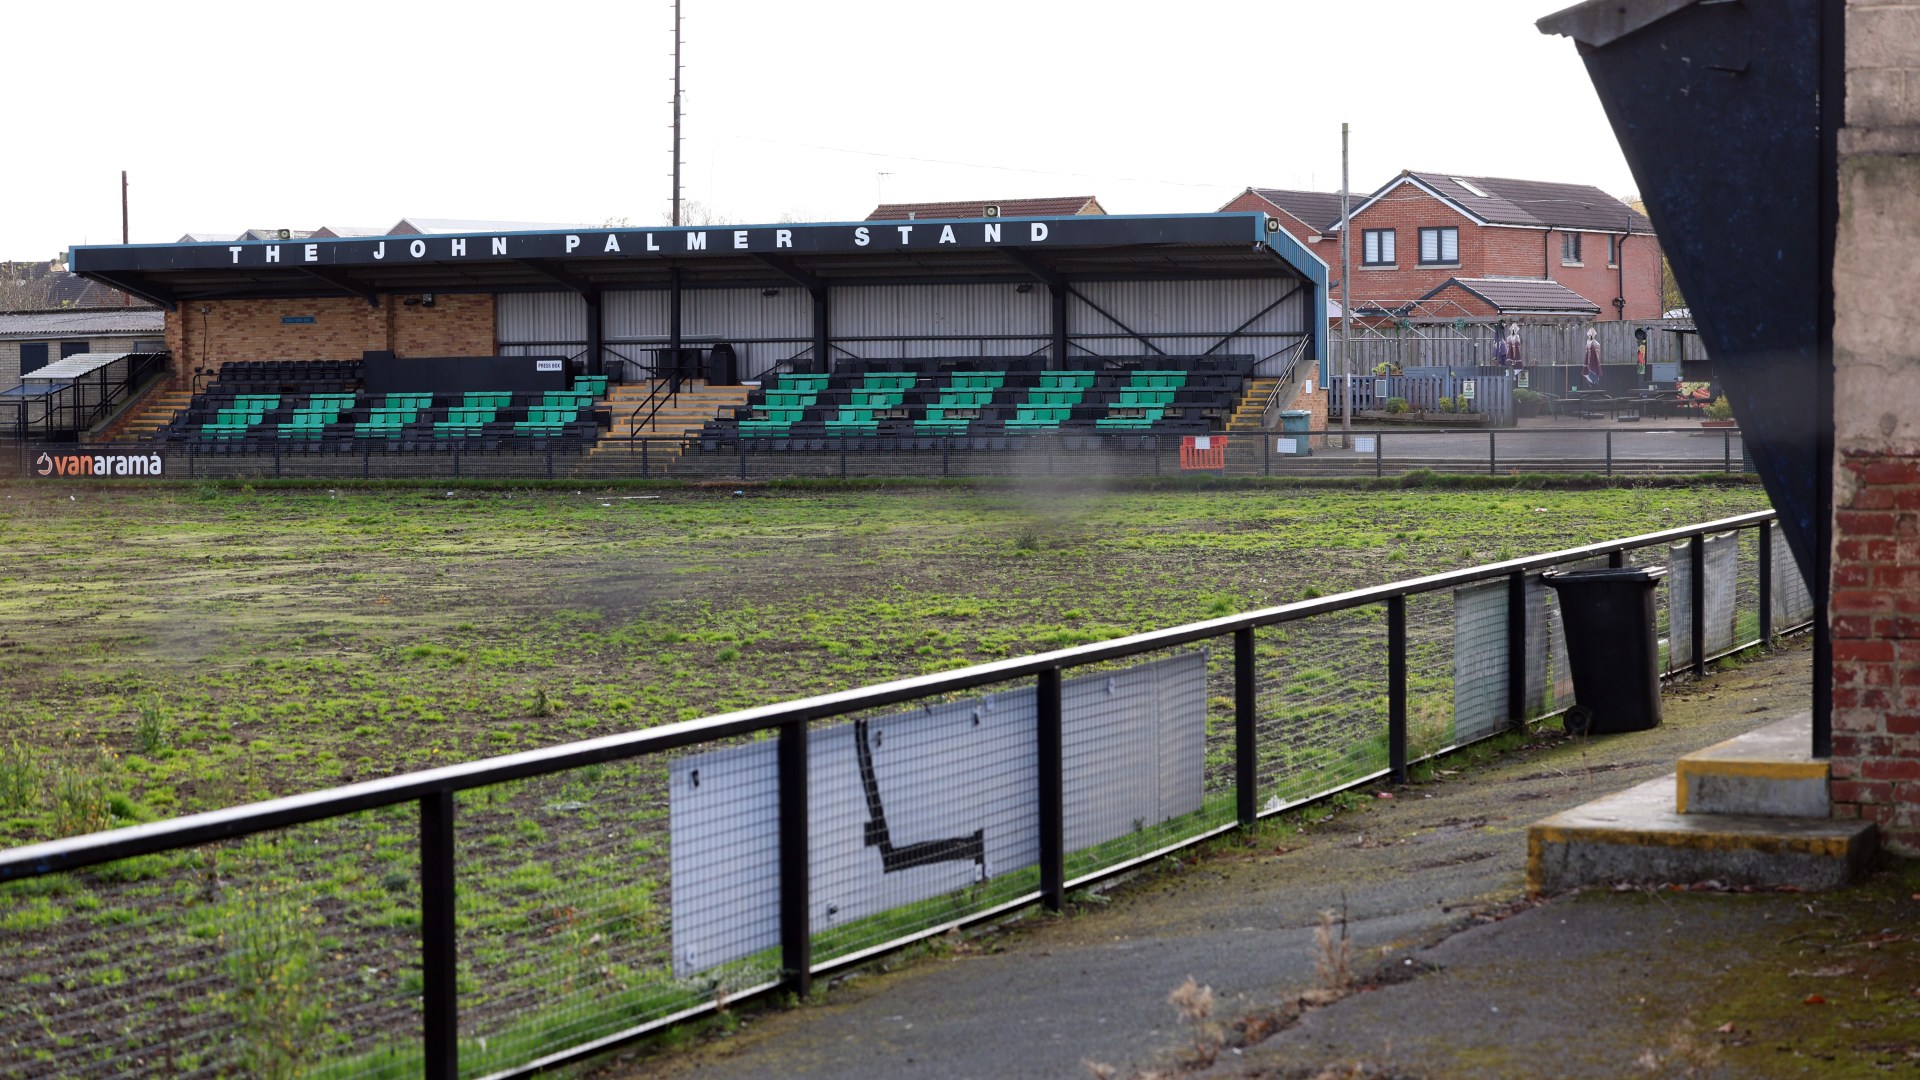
pixel 817 256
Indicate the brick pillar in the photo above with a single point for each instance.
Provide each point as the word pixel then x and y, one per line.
pixel 1875 613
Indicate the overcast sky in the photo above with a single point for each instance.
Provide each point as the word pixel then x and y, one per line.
pixel 296 114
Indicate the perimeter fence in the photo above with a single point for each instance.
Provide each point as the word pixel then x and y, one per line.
pixel 502 916
pixel 1360 453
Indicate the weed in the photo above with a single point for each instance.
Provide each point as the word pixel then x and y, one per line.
pixel 19 778
pixel 80 801
pixel 1193 1003
pixel 272 946
pixel 153 731
pixel 1332 953
pixel 542 705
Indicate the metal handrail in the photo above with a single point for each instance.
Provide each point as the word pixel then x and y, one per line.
pixel 1286 380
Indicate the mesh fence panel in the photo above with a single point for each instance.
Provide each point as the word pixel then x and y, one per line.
pixel 1792 602
pixel 294 952
pixel 1663 593
pixel 564 903
pixel 1431 653
pixel 1480 664
pixel 1322 704
pixel 1746 588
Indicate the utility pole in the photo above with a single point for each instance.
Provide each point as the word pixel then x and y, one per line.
pixel 676 112
pixel 1346 296
pixel 126 299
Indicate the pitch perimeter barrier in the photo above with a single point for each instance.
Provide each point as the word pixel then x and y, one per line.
pixel 1364 453
pixel 502 916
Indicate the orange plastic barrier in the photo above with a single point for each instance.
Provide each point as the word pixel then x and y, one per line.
pixel 1203 452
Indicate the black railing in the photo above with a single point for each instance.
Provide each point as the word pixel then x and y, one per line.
pixel 83 403
pixel 1502 679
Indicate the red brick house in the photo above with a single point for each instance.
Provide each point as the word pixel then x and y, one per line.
pixel 1061 206
pixel 1472 241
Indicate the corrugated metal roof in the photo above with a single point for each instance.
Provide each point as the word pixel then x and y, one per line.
pixel 1048 207
pixel 83 322
pixel 1521 294
pixel 72 367
pixel 430 226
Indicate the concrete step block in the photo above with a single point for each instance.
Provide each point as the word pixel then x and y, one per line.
pixel 1637 836
pixel 1770 771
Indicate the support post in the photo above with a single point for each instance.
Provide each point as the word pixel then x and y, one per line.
pixel 796 932
pixel 439 984
pixel 1517 649
pixel 1058 293
pixel 1765 533
pixel 1245 761
pixel 596 362
pixel 1697 601
pixel 1609 452
pixel 673 326
pixel 1050 759
pixel 821 364
pixel 1397 687
pixel 1493 455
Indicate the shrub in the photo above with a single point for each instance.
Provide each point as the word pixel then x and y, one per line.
pixel 1719 409
pixel 1398 405
pixel 1446 405
pixel 1527 397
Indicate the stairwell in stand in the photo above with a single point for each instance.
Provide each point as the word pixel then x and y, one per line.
pixel 149 415
pixel 620 450
pixel 1249 412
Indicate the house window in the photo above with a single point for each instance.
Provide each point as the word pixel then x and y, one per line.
pixel 1376 247
pixel 1440 245
pixel 1570 248
pixel 1613 250
pixel 33 356
pixel 73 348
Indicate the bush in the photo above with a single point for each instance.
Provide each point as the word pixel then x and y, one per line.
pixel 1720 409
pixel 1446 405
pixel 1398 405
pixel 1527 397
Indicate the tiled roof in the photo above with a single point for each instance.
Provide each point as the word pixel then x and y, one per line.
pixel 1063 206
pixel 1523 295
pixel 84 322
pixel 1502 201
pixel 1320 209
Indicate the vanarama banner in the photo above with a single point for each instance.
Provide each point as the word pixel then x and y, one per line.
pixel 97 463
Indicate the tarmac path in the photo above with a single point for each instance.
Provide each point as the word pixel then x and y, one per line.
pixel 1043 995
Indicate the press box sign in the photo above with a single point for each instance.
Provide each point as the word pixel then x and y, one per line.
pixel 113 463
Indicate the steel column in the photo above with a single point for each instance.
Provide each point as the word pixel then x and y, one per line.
pixel 1058 293
pixel 673 325
pixel 796 931
pixel 1697 600
pixel 1517 649
pixel 820 332
pixel 596 362
pixel 1765 533
pixel 439 955
pixel 1397 687
pixel 1050 760
pixel 1245 772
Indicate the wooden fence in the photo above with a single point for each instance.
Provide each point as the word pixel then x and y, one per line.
pixel 1542 344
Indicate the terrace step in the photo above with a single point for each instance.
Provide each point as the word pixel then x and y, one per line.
pixel 1251 406
pixel 151 414
pixel 685 414
pixel 1637 836
pixel 1769 771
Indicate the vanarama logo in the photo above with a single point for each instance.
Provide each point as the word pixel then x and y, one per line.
pixel 118 463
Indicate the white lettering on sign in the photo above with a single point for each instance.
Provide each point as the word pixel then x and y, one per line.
pixel 991 234
pixel 572 242
pixel 499 245
pixel 946 235
pixel 548 365
pixel 1039 231
pixel 860 238
pixel 273 252
pixel 417 249
pixel 311 252
pixel 457 248
pixel 236 254
pixel 613 244
pixel 380 252
pixel 651 246
pixel 906 234
pixel 783 238
pixel 740 239
pixel 696 241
